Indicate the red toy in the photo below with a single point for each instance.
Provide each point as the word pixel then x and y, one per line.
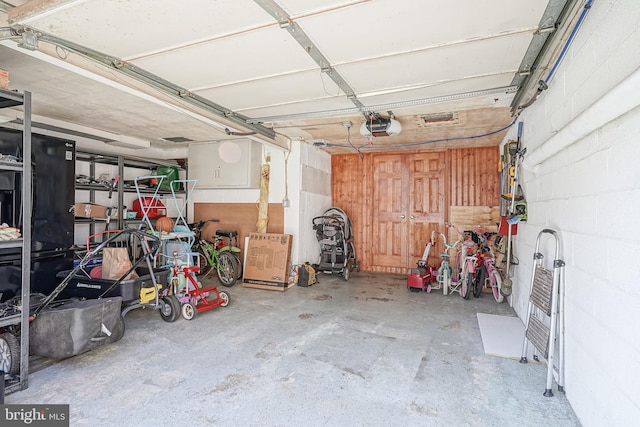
pixel 194 297
pixel 421 277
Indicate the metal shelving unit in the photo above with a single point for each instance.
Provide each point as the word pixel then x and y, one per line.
pixel 10 99
pixel 122 162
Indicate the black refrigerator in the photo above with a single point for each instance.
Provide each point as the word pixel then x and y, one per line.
pixel 53 188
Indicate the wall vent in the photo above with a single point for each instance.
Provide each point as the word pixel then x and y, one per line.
pixel 438 119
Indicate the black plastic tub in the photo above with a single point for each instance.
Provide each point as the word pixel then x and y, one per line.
pixel 86 287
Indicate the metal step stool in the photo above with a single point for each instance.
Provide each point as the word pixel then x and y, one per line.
pixel 545 314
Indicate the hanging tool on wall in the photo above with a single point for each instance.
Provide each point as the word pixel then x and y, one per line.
pixel 514 193
pixel 516 153
pixel 511 150
pixel 512 219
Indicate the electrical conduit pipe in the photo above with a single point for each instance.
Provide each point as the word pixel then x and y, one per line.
pixel 620 100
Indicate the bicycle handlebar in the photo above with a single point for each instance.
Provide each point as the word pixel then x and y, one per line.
pixel 447 246
pixel 175 256
pixel 196 227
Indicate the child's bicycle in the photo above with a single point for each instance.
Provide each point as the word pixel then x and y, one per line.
pixel 444 275
pixel 466 259
pixel 217 255
pixel 194 297
pixel 487 275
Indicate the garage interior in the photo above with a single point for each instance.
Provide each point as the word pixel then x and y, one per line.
pixel 406 115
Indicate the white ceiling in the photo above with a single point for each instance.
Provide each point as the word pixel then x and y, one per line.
pixel 411 57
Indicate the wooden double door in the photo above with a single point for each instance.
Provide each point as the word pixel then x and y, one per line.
pixel 408 203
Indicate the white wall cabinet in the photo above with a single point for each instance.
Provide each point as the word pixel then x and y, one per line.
pixel 226 164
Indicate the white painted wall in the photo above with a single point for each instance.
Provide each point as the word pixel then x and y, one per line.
pixel 306 201
pixel 315 198
pixel 590 193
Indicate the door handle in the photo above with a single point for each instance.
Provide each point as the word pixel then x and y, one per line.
pixel 413 217
pixel 401 216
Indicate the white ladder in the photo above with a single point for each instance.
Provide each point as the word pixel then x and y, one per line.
pixel 545 314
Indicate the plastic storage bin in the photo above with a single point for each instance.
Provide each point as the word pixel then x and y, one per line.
pixel 85 287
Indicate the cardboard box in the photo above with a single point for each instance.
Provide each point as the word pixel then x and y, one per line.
pixel 4 79
pixel 267 261
pixel 89 210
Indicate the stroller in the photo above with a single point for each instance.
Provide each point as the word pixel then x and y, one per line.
pixel 337 251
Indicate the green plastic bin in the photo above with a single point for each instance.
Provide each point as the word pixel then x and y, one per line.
pixel 171 173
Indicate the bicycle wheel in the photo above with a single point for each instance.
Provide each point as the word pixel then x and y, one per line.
pixel 227 272
pixel 225 298
pixel 188 311
pixel 446 279
pixel 238 261
pixel 203 262
pixel 497 286
pixel 479 280
pixel 467 282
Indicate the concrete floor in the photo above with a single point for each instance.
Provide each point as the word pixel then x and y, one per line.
pixel 366 352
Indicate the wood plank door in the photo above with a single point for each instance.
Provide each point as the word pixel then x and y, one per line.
pixel 427 204
pixel 389 234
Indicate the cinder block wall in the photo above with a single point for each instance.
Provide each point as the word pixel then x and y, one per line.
pixel 590 193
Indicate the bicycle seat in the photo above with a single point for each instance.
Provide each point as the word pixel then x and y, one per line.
pixel 227 233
